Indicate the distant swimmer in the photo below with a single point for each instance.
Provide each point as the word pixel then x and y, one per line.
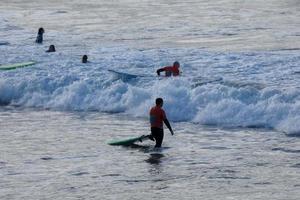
pixel 39 37
pixel 170 70
pixel 84 59
pixel 51 48
pixel 157 117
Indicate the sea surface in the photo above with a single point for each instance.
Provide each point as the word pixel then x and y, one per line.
pixel 235 109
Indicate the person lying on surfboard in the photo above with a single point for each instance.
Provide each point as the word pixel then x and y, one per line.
pixel 170 70
pixel 157 117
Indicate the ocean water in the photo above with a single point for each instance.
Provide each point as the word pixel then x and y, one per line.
pixel 235 109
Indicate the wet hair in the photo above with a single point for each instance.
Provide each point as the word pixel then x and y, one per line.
pixel 51 48
pixel 176 63
pixel 159 101
pixel 84 58
pixel 41 30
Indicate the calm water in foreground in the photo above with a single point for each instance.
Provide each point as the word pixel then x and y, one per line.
pixel 59 155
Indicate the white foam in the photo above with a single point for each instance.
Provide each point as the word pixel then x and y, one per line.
pixel 257 89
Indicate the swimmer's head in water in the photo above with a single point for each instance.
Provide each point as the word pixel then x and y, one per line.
pixel 84 59
pixel 51 48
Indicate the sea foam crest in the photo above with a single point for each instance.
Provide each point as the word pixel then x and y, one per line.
pixel 224 89
pixel 211 104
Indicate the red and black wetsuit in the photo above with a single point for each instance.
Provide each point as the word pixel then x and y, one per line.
pixel 169 71
pixel 157 116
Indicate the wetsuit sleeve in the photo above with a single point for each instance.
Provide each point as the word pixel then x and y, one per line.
pixel 166 121
pixel 163 115
pixel 160 70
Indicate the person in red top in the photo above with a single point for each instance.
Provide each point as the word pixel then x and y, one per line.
pixel 170 70
pixel 157 117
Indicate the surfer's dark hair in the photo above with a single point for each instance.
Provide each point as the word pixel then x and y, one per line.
pixel 159 101
pixel 176 63
pixel 41 30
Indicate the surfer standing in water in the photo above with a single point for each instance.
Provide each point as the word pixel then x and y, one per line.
pixel 39 37
pixel 170 70
pixel 157 117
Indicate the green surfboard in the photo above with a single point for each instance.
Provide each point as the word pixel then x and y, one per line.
pixel 16 65
pixel 129 141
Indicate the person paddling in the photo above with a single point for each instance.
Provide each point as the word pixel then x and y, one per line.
pixel 157 117
pixel 170 70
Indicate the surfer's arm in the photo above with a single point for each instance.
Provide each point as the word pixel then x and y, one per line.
pixel 168 125
pixel 160 70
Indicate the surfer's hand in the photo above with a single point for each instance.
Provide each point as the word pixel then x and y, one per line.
pixel 172 133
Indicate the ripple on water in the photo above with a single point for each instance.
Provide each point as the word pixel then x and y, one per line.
pixel 286 150
pixel 297 185
pixel 261 164
pixel 229 177
pixel 111 175
pixel 215 148
pixel 263 183
pixel 2 163
pixel 46 158
pixel 4 43
pixel 296 165
pixel 79 173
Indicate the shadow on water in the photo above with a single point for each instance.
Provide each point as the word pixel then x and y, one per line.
pixel 155 163
pixel 138 147
pixel 154 158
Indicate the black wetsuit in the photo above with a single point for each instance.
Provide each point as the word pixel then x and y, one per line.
pixel 158 135
pixel 39 38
